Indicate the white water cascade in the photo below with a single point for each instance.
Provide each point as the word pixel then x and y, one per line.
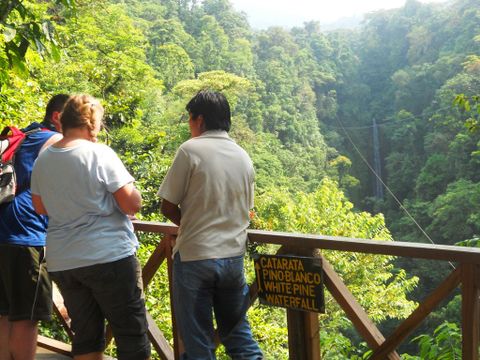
pixel 377 163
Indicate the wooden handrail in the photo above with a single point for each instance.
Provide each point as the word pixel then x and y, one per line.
pixel 304 326
pixel 380 247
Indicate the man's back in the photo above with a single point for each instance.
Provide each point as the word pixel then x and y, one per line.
pixel 212 181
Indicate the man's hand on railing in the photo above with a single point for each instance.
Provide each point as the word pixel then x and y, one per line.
pixel 173 240
pixel 168 242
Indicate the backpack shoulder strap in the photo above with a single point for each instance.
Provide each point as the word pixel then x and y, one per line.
pixel 33 131
pixel 11 138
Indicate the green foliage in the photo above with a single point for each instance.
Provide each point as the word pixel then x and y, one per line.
pixel 474 242
pixel 270 330
pixel 27 28
pixel 212 45
pixel 434 177
pixel 336 346
pixel 231 85
pixel 403 67
pixel 471 106
pixel 444 345
pixel 111 52
pixel 142 150
pixel 21 102
pixel 172 64
pixel 456 213
pixel 380 290
pixel 28 25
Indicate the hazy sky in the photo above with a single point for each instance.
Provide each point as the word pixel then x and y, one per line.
pixel 264 13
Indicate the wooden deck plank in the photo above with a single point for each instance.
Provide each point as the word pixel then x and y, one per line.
pixel 44 354
pixel 54 345
pixel 51 349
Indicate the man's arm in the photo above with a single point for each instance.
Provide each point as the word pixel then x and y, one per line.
pixel 129 199
pixel 38 205
pixel 171 212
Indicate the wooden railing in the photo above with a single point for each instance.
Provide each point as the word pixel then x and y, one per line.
pixel 303 327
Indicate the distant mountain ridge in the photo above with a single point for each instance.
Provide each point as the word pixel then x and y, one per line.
pixel 347 22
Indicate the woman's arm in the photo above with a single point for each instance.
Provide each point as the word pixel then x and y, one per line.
pixel 38 205
pixel 128 199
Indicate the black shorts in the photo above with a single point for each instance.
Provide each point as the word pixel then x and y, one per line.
pixel 25 288
pixel 111 291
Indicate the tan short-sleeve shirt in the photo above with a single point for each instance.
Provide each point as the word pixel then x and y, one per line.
pixel 212 180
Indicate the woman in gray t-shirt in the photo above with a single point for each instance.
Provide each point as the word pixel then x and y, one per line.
pixel 88 194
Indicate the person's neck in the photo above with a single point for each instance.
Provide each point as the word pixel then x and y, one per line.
pixel 73 136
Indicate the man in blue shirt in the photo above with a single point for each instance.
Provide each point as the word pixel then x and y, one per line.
pixel 25 289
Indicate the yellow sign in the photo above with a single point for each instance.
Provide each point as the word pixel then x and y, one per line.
pixel 291 282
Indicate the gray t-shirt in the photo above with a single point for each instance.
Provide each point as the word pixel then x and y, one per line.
pixel 76 186
pixel 211 178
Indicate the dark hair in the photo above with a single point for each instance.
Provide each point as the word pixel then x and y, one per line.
pixel 56 103
pixel 214 107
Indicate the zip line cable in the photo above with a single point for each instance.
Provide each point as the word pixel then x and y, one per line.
pixel 388 121
pixel 386 187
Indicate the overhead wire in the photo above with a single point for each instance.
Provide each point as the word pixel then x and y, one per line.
pixel 388 121
pixel 386 186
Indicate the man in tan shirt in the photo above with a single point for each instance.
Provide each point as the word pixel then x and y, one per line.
pixel 208 193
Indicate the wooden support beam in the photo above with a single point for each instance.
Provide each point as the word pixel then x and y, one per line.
pixel 54 345
pixel 470 311
pixel 61 311
pixel 303 327
pixel 312 335
pixel 253 292
pixel 303 335
pixel 178 348
pixel 153 263
pixel 353 310
pixel 420 313
pixel 158 340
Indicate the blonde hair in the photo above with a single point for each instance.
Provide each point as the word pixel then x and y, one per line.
pixel 81 111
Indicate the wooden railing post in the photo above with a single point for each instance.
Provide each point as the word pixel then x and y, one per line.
pixel 470 311
pixel 177 340
pixel 303 327
pixel 303 335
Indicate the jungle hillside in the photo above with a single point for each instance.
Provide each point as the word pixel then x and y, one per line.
pixel 367 133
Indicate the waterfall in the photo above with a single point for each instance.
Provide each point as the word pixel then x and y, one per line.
pixel 377 164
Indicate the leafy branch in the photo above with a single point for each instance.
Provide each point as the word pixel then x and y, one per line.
pixel 470 105
pixel 25 25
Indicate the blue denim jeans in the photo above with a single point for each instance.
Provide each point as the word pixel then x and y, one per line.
pixel 219 285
